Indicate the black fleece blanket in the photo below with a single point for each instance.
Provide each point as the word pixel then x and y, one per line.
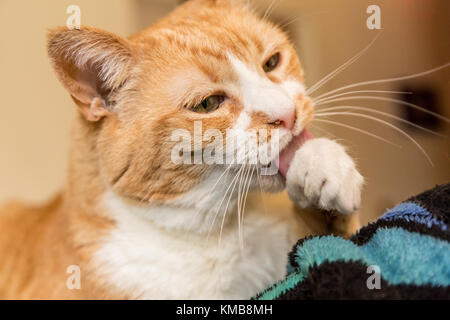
pixel 405 254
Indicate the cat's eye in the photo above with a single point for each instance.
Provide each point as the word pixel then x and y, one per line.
pixel 272 63
pixel 210 104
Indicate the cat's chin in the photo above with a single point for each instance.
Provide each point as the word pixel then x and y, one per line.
pixel 271 183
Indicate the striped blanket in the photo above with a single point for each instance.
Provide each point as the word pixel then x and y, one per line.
pixel 405 254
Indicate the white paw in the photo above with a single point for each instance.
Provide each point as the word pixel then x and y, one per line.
pixel 323 175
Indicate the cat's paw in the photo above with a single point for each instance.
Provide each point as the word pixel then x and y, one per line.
pixel 323 175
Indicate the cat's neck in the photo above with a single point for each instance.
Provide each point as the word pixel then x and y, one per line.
pixel 199 211
pixel 84 187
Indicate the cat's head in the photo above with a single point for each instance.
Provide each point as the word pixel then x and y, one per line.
pixel 212 65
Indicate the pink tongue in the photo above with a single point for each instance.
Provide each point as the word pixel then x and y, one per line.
pixel 287 154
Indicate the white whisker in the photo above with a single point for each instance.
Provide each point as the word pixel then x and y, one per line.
pixel 227 170
pixel 389 125
pixel 414 106
pixel 324 111
pixel 359 91
pixel 221 176
pixel 258 174
pixel 357 129
pixel 364 83
pixel 234 180
pixel 284 25
pixel 249 182
pixel 269 10
pixel 315 126
pixel 247 173
pixel 241 211
pixel 239 203
pixel 334 73
pixel 228 203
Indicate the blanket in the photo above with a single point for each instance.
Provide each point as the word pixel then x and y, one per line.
pixel 405 254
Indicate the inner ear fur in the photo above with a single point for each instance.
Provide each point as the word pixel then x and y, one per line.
pixel 91 64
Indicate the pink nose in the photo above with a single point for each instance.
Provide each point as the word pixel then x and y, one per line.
pixel 286 120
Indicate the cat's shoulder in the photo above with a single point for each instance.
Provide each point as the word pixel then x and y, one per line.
pixel 13 208
pixel 19 217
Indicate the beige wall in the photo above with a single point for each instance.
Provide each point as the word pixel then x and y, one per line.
pixel 36 113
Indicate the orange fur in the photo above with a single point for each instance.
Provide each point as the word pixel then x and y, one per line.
pixel 130 92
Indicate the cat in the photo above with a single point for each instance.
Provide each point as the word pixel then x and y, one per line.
pixel 140 226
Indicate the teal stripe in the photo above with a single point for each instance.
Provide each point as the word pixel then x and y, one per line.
pixel 403 257
pixel 281 287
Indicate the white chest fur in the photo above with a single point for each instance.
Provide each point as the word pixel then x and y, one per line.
pixel 149 262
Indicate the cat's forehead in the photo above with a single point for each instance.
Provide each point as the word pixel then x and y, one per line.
pixel 215 31
pixel 194 50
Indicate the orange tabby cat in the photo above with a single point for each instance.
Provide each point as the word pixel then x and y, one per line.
pixel 138 224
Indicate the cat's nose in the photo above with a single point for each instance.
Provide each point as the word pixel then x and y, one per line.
pixel 287 120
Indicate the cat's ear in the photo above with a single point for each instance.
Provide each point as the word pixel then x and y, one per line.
pixel 91 64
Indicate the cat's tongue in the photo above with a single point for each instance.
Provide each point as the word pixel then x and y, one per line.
pixel 287 154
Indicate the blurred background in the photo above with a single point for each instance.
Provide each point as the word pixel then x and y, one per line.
pixel 36 112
